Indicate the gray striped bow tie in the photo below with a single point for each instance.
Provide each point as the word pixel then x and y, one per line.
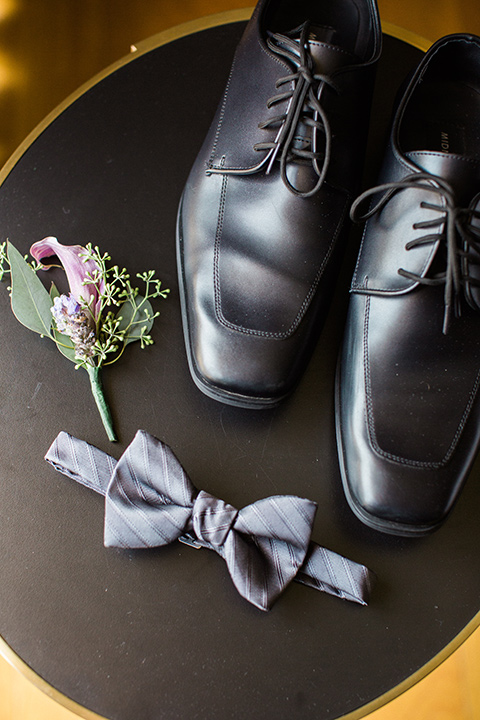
pixel 150 501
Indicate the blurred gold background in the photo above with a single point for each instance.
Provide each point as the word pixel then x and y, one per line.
pixel 48 48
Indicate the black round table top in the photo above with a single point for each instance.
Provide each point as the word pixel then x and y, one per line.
pixel 163 633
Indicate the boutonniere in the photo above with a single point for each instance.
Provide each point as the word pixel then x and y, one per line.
pixel 94 322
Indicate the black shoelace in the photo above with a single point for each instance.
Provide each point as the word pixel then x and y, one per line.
pixel 454 228
pixel 303 107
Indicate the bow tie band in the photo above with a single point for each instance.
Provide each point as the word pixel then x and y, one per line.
pixel 150 501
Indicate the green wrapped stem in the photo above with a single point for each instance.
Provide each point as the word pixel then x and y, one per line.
pixel 103 409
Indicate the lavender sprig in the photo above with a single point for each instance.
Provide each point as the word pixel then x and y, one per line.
pixel 93 323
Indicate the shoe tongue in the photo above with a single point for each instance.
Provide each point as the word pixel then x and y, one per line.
pixel 461 171
pixel 326 54
pixel 463 174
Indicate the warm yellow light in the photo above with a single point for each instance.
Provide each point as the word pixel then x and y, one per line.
pixel 9 73
pixel 7 8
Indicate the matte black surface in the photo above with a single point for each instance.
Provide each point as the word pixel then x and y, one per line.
pixel 163 633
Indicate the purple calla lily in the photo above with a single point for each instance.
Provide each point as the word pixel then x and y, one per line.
pixel 76 269
pixel 83 327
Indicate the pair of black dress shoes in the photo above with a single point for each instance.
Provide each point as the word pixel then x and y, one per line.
pixel 262 227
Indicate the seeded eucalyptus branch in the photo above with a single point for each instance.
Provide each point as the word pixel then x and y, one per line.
pixel 123 315
pixel 92 324
pixel 4 264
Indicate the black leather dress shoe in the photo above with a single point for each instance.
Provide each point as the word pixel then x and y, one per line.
pixel 408 406
pixel 262 219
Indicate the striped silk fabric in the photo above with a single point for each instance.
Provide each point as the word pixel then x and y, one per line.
pixel 150 501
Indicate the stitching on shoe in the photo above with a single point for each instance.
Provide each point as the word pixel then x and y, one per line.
pixel 369 411
pixel 419 78
pixel 473 160
pixel 357 287
pixel 222 115
pixel 306 302
pixel 335 48
pixel 216 251
pixel 354 284
pixel 211 163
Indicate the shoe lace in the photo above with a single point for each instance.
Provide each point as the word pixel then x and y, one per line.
pixel 303 106
pixel 453 227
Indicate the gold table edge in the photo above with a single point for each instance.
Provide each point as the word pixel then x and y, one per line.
pixel 140 48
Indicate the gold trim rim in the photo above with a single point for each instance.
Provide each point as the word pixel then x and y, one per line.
pixel 11 657
pixel 422 672
pixel 162 38
pixel 138 49
pixel 407 36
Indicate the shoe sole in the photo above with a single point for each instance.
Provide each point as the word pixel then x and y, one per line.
pixel 224 396
pixel 390 527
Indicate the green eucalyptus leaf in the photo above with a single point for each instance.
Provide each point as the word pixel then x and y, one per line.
pixel 65 345
pixel 133 318
pixel 54 292
pixel 31 303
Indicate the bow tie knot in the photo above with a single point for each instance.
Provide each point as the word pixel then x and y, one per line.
pixel 150 502
pixel 212 519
